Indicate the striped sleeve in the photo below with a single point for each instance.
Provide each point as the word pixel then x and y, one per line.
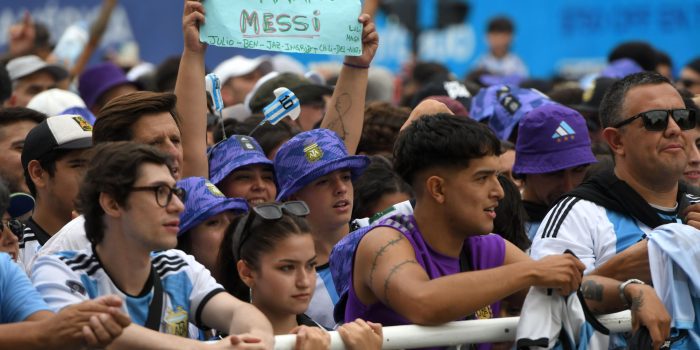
pixel 577 225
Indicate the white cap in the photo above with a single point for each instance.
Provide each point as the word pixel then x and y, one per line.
pixel 238 66
pixel 23 66
pixel 55 101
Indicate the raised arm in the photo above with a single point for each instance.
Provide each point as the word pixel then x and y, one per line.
pixel 386 270
pixel 345 114
pixel 191 94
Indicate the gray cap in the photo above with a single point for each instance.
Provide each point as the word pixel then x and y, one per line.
pixel 21 67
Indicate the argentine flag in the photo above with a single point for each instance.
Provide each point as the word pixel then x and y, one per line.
pixel 285 104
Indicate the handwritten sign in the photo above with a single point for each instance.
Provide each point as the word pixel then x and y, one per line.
pixel 305 26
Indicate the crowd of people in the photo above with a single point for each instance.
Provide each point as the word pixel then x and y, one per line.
pixel 135 214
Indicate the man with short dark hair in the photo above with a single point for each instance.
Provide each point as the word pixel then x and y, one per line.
pixel 423 268
pixel 131 206
pixel 53 159
pixel 15 124
pixel 606 220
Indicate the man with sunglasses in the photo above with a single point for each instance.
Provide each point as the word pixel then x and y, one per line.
pixel 645 120
pixel 131 208
pixel 606 220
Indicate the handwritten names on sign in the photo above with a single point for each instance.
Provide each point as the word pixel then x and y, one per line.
pixel 305 26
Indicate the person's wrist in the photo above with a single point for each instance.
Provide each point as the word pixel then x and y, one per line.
pixel 355 65
pixel 626 290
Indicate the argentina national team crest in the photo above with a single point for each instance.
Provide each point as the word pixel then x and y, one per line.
pixel 83 123
pixel 313 152
pixel 213 189
pixel 176 322
pixel 484 313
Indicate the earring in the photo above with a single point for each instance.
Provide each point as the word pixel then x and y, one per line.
pixel 250 295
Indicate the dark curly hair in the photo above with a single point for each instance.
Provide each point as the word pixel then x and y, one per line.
pixel 442 140
pixel 381 128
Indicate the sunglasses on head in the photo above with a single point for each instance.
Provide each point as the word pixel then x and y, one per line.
pixel 265 211
pixel 657 119
pixel 15 226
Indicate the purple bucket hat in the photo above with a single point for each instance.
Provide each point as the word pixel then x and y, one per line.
pixel 203 200
pixel 310 155
pixel 96 80
pixel 503 106
pixel 552 138
pixel 234 152
pixel 621 68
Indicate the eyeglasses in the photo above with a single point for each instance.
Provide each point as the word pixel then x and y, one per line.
pixel 15 226
pixel 266 211
pixel 657 119
pixel 688 83
pixel 164 193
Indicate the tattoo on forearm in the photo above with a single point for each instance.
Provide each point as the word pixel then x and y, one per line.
pixel 391 274
pixel 379 253
pixel 637 302
pixel 592 290
pixel 342 106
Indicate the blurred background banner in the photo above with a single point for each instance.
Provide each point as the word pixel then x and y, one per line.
pixel 555 36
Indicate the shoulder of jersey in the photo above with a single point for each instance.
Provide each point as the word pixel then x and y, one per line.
pixel 81 262
pixel 168 262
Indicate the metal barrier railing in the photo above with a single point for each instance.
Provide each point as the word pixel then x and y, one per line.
pixel 454 333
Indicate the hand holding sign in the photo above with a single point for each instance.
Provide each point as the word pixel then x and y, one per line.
pixel 306 26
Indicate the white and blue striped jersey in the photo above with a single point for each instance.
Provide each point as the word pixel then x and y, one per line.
pixel 71 277
pixel 593 233
pixel 324 298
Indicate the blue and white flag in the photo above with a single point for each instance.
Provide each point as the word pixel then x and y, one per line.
pixel 213 86
pixel 285 104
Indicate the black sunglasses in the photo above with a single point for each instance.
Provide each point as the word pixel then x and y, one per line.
pixel 15 226
pixel 265 211
pixel 657 119
pixel 164 193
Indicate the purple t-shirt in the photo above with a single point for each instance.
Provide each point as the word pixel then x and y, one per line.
pixel 485 252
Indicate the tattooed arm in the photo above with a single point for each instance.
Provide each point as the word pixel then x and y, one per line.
pixel 345 113
pixel 633 262
pixel 602 295
pixel 386 271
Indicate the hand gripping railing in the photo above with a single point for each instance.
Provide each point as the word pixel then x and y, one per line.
pixel 454 333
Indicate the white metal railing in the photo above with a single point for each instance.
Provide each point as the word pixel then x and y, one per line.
pixel 454 333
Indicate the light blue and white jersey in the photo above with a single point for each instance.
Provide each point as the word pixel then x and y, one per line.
pixel 593 233
pixel 674 254
pixel 324 299
pixel 551 321
pixel 71 277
